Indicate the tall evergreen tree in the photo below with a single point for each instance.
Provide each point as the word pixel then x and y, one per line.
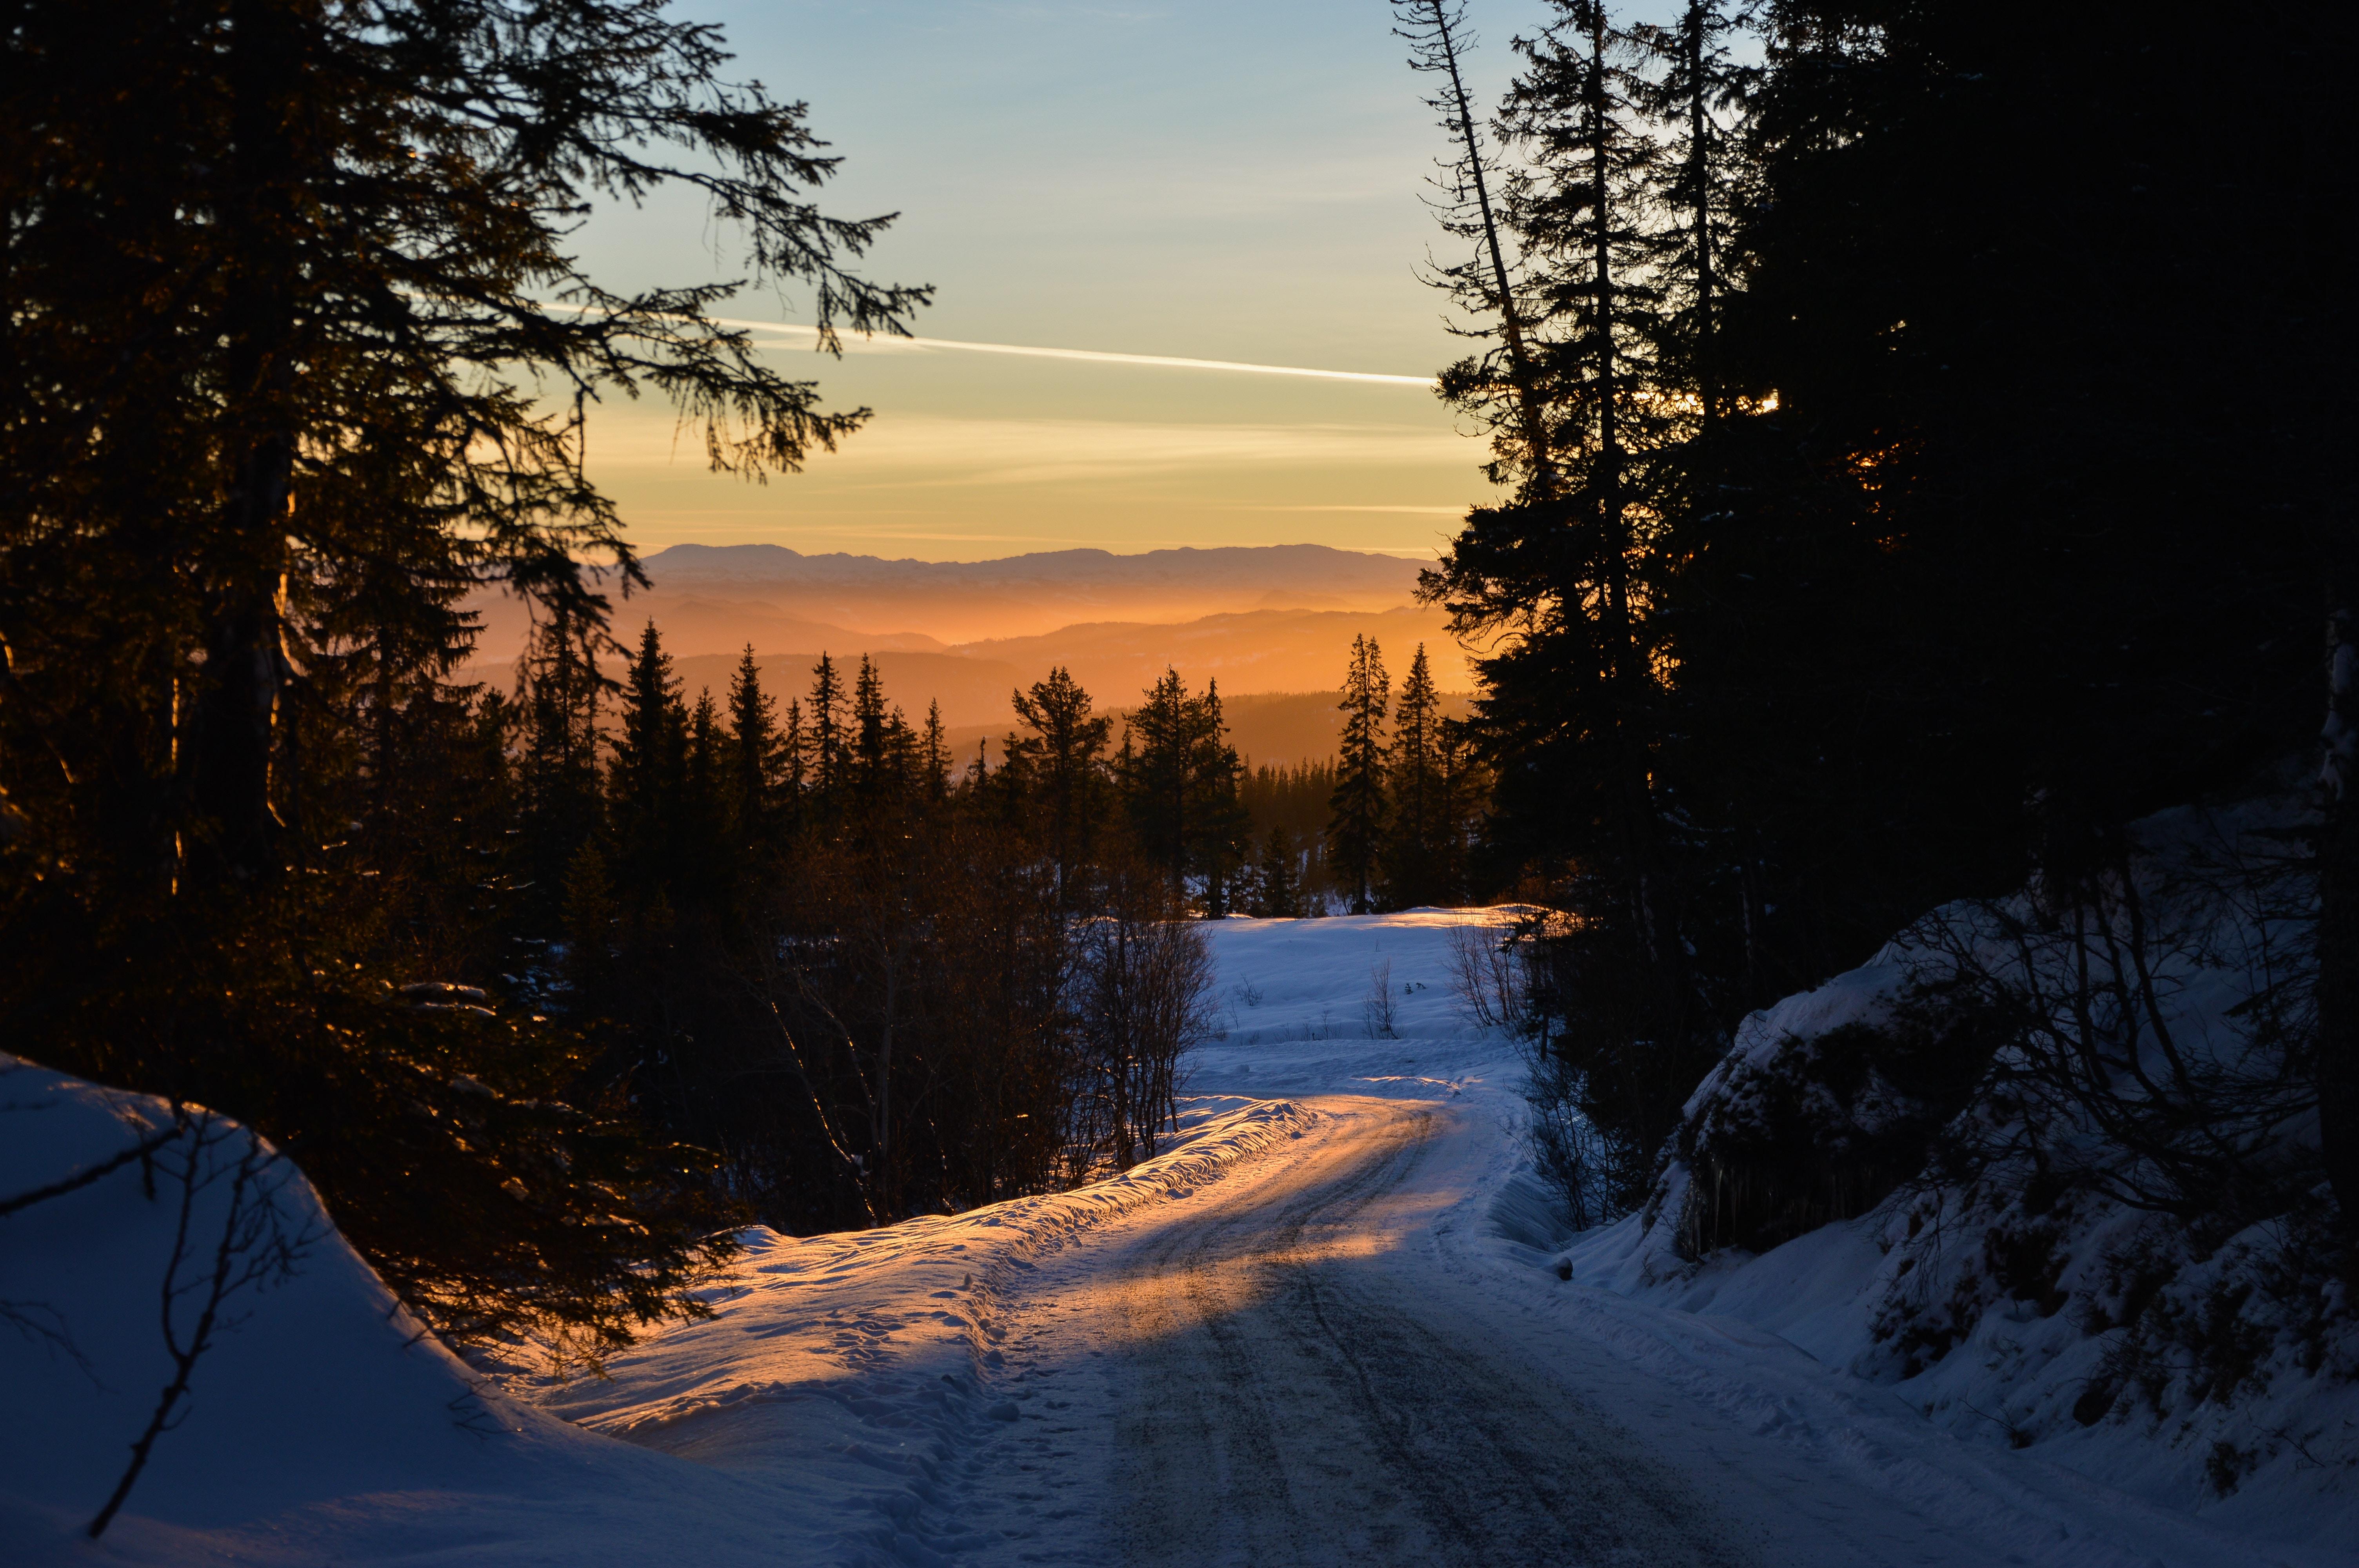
pixel 934 757
pixel 291 313
pixel 1574 700
pixel 1178 776
pixel 1416 849
pixel 1355 832
pixel 795 759
pixel 871 752
pixel 646 784
pixel 1223 825
pixel 1278 885
pixel 830 742
pixel 1063 760
pixel 757 757
pixel 558 695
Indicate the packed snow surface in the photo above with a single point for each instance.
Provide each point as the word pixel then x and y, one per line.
pixel 1327 1327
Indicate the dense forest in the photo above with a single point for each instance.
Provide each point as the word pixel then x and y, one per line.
pixel 1923 443
pixel 1923 430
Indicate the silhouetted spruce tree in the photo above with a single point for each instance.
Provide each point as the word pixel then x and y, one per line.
pixel 1178 777
pixel 934 757
pixel 557 695
pixel 1465 799
pixel 702 833
pixel 276 343
pixel 647 783
pixel 1276 890
pixel 830 741
pixel 1223 825
pixel 795 760
pixel 1415 849
pixel 902 756
pixel 1355 831
pixel 1572 707
pixel 1063 761
pixel 758 755
pixel 870 758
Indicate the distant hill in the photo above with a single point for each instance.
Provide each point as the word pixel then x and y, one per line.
pixel 1256 651
pixel 1278 618
pixel 964 602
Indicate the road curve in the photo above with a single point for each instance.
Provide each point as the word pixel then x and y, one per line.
pixel 1289 1403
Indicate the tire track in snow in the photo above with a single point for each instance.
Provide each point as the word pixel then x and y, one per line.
pixel 1287 1408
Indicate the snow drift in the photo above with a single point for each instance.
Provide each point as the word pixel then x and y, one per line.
pixel 1914 1173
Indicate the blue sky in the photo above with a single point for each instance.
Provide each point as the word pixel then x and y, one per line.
pixel 1218 180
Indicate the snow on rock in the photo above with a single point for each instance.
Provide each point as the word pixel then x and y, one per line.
pixel 2215 1375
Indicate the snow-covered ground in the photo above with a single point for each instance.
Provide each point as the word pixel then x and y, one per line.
pixel 1328 1327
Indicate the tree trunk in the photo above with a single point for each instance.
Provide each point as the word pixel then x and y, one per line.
pixel 1520 366
pixel 233 716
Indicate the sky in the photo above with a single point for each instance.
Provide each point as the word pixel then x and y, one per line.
pixel 1214 180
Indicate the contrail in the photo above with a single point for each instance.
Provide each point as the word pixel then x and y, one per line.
pixel 1097 356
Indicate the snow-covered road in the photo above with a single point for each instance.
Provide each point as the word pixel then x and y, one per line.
pixel 1289 1367
pixel 1281 1390
pixel 1327 1328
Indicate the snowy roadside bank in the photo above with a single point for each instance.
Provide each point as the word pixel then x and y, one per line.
pixel 1764 1341
pixel 320 1425
pixel 956 1387
pixel 858 1367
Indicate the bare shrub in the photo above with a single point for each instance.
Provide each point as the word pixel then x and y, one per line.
pixel 1485 973
pixel 1142 996
pixel 1377 1013
pixel 2123 1071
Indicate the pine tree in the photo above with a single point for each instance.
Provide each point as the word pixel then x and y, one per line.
pixel 934 757
pixel 557 695
pixel 757 758
pixel 1696 91
pixel 1355 832
pixel 703 815
pixel 1152 765
pixel 902 757
pixel 1277 889
pixel 286 282
pixel 1465 794
pixel 794 758
pixel 828 744
pixel 1222 824
pixel 1063 761
pixel 647 783
pixel 870 754
pixel 1415 851
pixel 1178 776
pixel 1572 709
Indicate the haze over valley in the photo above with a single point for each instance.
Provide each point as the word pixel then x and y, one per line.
pixel 1261 620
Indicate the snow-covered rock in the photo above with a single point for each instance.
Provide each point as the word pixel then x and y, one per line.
pixel 2016 1295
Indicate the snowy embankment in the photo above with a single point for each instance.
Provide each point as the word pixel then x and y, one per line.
pixel 2215 1373
pixel 955 1389
pixel 319 1424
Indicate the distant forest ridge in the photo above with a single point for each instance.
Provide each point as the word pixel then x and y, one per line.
pixel 1261 620
pixel 712 599
pixel 1258 566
